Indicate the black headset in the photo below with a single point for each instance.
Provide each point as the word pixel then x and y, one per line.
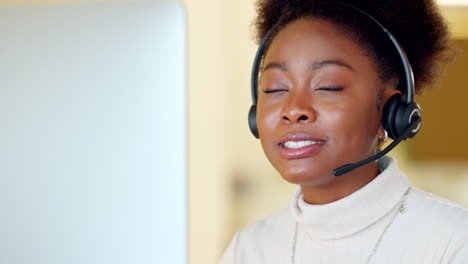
pixel 401 115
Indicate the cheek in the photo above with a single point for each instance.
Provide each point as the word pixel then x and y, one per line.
pixel 353 125
pixel 267 118
pixel 268 122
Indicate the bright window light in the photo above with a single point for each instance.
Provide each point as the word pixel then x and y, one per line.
pixel 453 2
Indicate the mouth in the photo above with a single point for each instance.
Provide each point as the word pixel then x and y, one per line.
pixel 296 146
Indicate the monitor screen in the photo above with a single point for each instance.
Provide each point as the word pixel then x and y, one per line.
pixel 93 133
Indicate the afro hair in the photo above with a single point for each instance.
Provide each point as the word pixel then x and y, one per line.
pixel 417 25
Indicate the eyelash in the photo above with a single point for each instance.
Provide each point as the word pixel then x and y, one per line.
pixel 327 89
pixel 275 91
pixel 330 89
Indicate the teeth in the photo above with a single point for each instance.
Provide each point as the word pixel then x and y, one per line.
pixel 300 144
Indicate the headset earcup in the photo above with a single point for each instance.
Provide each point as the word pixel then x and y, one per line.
pixel 253 120
pixel 390 115
pixel 398 115
pixel 405 116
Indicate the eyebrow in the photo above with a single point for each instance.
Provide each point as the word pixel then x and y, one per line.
pixel 312 66
pixel 275 65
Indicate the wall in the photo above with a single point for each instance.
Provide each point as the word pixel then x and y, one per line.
pixel 211 60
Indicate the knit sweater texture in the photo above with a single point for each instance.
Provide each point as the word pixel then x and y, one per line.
pixel 429 230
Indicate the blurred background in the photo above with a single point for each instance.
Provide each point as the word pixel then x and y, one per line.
pixel 231 184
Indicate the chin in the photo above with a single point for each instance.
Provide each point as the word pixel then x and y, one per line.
pixel 304 176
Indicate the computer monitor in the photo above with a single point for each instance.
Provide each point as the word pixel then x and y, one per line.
pixel 93 133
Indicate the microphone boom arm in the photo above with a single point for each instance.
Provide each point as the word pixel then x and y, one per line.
pixel 352 166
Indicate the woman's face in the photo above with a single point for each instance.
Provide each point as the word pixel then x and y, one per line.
pixel 318 105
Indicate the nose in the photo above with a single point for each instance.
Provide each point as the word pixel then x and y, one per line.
pixel 299 109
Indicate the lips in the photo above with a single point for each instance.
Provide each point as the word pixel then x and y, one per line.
pixel 299 145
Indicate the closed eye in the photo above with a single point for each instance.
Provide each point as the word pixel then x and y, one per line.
pixel 330 89
pixel 268 91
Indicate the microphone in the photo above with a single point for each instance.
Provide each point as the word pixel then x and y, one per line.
pixel 352 166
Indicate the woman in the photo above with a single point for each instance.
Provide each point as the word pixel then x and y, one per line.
pixel 328 73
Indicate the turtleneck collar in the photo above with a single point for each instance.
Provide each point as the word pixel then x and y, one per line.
pixel 356 211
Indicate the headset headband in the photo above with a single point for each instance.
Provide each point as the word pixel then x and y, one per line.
pixel 408 72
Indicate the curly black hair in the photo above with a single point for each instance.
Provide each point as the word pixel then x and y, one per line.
pixel 416 24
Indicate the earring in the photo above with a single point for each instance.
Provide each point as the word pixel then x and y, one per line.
pixel 385 137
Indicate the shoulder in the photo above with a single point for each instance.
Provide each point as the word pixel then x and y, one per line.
pixel 440 222
pixel 438 209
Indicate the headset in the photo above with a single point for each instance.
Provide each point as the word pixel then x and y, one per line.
pixel 402 117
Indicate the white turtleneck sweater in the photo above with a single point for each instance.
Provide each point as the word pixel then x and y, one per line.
pixel 429 230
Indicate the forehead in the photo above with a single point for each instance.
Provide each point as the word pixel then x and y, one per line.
pixel 316 39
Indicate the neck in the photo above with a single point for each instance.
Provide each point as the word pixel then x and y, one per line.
pixel 340 187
